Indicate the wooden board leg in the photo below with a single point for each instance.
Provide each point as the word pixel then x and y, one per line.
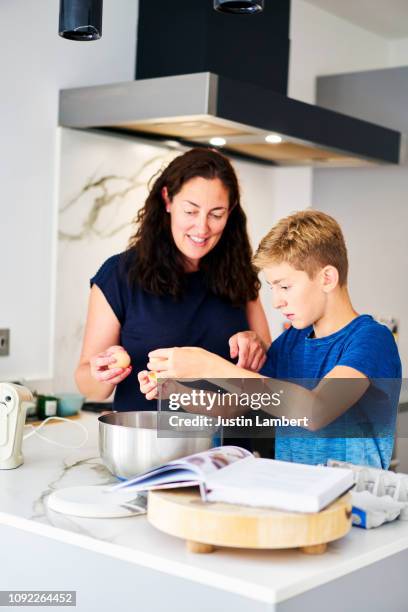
pixel 199 547
pixel 316 549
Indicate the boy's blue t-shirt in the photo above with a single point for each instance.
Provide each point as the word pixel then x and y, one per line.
pixel 364 345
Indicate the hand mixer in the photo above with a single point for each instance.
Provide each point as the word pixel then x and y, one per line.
pixel 14 401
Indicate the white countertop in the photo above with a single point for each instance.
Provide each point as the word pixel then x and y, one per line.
pixel 267 576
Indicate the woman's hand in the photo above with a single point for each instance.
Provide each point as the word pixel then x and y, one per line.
pixel 185 362
pixel 101 371
pixel 249 349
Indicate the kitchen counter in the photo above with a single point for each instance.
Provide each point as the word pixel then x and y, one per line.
pixel 127 563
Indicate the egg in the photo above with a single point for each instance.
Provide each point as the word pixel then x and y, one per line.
pixel 122 360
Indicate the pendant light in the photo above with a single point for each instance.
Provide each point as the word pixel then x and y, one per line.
pixel 242 7
pixel 80 19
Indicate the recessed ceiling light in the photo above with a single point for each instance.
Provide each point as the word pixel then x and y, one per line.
pixel 273 138
pixel 217 141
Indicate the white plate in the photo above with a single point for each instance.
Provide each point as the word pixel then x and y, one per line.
pixel 90 502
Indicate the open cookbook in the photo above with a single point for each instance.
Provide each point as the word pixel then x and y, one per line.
pixel 233 475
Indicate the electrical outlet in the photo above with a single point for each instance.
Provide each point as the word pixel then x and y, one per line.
pixel 4 342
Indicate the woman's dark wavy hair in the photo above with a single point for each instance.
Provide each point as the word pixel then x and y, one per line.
pixel 154 261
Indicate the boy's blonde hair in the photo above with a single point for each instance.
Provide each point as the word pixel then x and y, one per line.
pixel 307 240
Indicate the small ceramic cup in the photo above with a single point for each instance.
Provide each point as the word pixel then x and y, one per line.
pixel 69 403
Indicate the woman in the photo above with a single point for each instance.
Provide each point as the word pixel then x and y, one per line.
pixel 185 279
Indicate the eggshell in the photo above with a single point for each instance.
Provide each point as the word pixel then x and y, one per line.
pixel 122 360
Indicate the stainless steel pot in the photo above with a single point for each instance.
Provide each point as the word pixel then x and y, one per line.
pixel 129 443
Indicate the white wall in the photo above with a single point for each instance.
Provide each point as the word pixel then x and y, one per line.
pixel 34 64
pixel 322 43
pixel 399 52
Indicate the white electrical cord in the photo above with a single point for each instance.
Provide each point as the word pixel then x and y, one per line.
pixel 35 432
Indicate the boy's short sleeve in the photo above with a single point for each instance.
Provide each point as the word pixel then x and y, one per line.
pixel 269 368
pixel 372 351
pixel 112 283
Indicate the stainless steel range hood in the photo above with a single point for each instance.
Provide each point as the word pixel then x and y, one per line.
pixel 221 89
pixel 197 107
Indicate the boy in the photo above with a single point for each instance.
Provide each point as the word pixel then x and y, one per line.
pixel 348 363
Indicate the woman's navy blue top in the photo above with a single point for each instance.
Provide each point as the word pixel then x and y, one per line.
pixel 148 322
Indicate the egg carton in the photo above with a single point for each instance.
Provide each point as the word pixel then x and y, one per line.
pixel 378 482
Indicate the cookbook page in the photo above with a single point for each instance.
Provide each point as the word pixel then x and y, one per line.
pixel 278 484
pixel 212 460
pixel 191 469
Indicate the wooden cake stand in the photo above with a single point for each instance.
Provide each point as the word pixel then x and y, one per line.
pixel 182 513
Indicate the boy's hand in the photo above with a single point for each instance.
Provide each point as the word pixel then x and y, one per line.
pixel 148 384
pixel 185 362
pixel 249 349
